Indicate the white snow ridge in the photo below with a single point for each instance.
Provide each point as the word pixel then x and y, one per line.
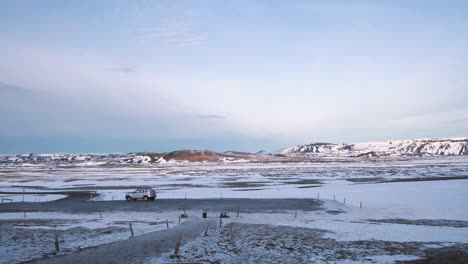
pixel 413 147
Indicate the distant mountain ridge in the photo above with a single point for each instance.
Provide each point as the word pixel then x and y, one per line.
pixel 412 147
pixel 298 153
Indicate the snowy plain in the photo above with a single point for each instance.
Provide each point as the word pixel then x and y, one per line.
pixel 370 195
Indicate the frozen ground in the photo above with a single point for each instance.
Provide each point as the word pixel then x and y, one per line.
pixel 408 207
pixel 255 243
pixel 359 235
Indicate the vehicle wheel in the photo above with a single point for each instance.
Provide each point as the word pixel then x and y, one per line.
pixel 128 198
pixel 145 198
pixel 152 199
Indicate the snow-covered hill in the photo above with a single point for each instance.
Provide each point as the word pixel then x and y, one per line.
pixel 412 147
pixel 69 159
pixel 124 159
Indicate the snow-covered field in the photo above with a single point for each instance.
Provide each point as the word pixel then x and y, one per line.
pixel 408 204
pixel 321 237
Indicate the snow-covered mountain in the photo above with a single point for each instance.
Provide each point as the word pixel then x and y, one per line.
pixel 299 153
pixel 412 147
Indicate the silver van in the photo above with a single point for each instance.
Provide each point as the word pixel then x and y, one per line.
pixel 147 194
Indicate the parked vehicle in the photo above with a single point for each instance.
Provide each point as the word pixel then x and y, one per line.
pixel 147 194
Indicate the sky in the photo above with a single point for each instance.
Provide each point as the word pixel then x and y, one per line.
pixel 121 76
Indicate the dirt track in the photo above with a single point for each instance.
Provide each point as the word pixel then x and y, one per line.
pixel 134 250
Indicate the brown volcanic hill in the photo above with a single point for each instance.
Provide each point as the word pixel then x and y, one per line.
pixel 212 156
pixel 193 155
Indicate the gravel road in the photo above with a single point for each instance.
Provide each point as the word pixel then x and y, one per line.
pixel 77 203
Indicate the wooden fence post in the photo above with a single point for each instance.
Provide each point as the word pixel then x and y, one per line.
pixel 56 242
pixel 131 228
pixel 177 246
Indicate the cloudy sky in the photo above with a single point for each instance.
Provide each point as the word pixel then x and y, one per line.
pixel 106 76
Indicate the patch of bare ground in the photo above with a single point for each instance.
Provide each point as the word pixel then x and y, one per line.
pixel 92 187
pixel 366 180
pixel 416 179
pixel 181 185
pixel 457 254
pixel 279 178
pixel 441 178
pixel 304 181
pixel 255 243
pixel 26 222
pixel 195 172
pixel 247 190
pixel 424 222
pixel 309 186
pixel 125 187
pixel 245 184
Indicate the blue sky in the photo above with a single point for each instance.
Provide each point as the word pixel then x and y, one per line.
pixel 107 76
